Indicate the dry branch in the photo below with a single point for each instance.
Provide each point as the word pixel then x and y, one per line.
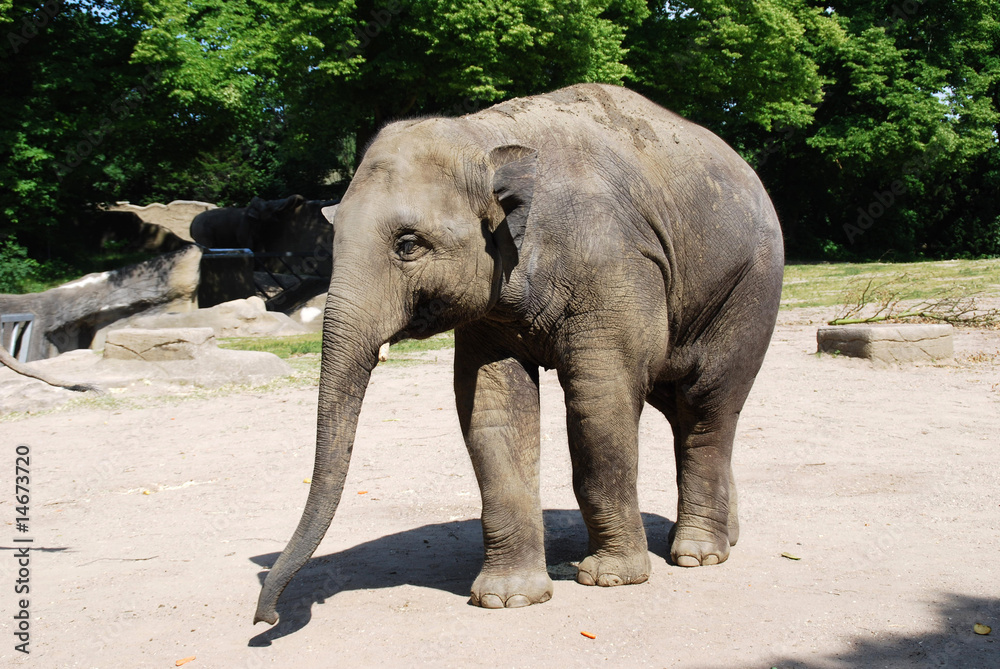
pixel 873 301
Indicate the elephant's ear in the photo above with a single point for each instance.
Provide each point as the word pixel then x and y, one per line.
pixel 514 185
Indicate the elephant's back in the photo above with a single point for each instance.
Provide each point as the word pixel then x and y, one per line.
pixel 606 114
pixel 685 163
pixel 591 119
pixel 199 228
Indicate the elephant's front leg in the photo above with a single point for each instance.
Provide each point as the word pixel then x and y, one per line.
pixel 497 397
pixel 602 411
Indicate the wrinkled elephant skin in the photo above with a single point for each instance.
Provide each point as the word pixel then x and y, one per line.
pixel 589 231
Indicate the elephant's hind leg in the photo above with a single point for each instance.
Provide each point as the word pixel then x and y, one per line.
pixel 497 398
pixel 705 411
pixel 707 523
pixel 602 421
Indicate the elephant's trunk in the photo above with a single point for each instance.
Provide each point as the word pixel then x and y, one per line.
pixel 348 359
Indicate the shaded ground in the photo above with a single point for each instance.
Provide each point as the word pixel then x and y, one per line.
pixel 153 527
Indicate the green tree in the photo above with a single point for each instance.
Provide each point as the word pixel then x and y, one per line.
pixel 873 125
pixel 901 158
pixel 59 63
pixel 340 69
pixel 742 67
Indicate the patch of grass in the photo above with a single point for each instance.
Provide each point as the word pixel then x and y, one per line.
pixel 283 347
pixel 824 285
pixel 287 347
pixel 435 343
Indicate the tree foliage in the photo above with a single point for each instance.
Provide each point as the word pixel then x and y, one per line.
pixel 873 125
pixel 901 156
pixel 737 65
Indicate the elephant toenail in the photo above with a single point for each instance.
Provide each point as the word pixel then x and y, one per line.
pixel 517 601
pixel 687 561
pixel 710 559
pixel 609 580
pixel 584 577
pixel 491 601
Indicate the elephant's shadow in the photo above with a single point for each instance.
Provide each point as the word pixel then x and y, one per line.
pixel 446 556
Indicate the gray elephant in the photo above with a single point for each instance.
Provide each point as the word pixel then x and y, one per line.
pixel 589 231
pixel 223 228
pixel 272 226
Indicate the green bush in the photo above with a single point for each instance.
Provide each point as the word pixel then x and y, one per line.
pixel 16 268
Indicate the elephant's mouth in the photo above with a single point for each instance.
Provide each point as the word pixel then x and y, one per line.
pixel 429 318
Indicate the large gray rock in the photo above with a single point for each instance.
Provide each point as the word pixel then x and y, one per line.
pixel 187 356
pixel 141 362
pixel 175 216
pixel 158 345
pixel 68 317
pixel 236 318
pixel 888 343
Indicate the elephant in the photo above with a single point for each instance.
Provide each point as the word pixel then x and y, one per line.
pixel 223 228
pixel 272 226
pixel 587 230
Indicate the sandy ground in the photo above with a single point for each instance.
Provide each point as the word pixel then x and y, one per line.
pixel 153 528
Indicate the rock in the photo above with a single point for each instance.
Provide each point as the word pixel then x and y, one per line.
pixel 68 317
pixel 158 345
pixel 141 362
pixel 126 231
pixel 236 318
pixel 888 343
pixel 208 366
pixel 175 217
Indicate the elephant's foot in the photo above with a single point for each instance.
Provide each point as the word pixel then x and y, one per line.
pixel 511 589
pixel 608 569
pixel 697 547
pixel 734 525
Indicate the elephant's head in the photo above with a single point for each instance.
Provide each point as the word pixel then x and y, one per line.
pixel 266 210
pixel 426 235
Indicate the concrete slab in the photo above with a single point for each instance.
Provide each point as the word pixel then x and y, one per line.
pixel 158 345
pixel 888 343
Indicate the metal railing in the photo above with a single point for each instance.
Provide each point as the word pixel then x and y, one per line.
pixel 292 265
pixel 15 334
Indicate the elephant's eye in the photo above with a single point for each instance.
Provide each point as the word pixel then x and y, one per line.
pixel 408 247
